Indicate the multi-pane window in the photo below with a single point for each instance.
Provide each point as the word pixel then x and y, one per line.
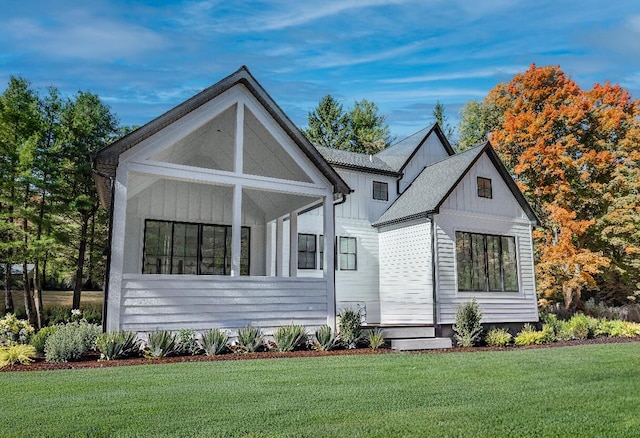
pixel 380 191
pixel 484 188
pixel 187 248
pixel 310 251
pixel 347 253
pixel 486 262
pixel 307 251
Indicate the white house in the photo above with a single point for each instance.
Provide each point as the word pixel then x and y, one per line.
pixel 224 215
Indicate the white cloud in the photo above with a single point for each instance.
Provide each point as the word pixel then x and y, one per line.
pixel 473 74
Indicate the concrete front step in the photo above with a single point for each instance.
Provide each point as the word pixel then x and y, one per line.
pixel 420 344
pixel 400 332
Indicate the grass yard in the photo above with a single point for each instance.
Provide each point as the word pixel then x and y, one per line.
pixel 589 390
pixel 59 298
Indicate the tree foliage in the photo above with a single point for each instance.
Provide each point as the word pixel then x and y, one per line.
pixel 574 153
pixel 360 129
pixel 49 215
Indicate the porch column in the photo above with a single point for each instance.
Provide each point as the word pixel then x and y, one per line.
pixel 279 245
pixel 270 259
pixel 293 244
pixel 119 207
pixel 236 227
pixel 329 255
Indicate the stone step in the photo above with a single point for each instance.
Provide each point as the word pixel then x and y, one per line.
pixel 420 344
pixel 400 332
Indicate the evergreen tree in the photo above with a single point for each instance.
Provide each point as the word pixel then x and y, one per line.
pixel 370 132
pixel 329 125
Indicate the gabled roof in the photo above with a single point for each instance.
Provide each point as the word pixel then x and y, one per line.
pixel 356 160
pixel 436 182
pixel 106 160
pixel 398 155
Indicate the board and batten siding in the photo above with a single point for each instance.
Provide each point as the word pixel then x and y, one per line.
pixel 189 202
pixel 406 287
pixel 430 152
pixel 360 204
pixel 173 302
pixel 501 215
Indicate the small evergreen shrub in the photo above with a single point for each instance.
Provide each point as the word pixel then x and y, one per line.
pixel 162 343
pixel 350 327
pixel 325 340
pixel 290 337
pixel 16 353
pixel 214 342
pixel 467 325
pixel 187 342
pixel 548 334
pixel 250 339
pixel 498 337
pixel 14 330
pixel 580 326
pixel 38 340
pixel 529 336
pixel 118 345
pixel 71 341
pixel 375 339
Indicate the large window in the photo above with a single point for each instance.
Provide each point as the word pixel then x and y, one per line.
pixel 187 248
pixel 380 191
pixel 347 253
pixel 486 262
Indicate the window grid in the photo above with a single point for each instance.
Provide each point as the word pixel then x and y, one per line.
pixel 306 251
pixel 486 263
pixel 191 248
pixel 347 251
pixel 380 191
pixel 484 188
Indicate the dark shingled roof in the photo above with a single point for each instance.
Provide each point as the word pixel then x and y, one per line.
pixel 106 160
pixel 398 155
pixel 436 182
pixel 355 160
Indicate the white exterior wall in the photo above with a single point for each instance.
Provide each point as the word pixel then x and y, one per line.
pixel 430 152
pixel 189 202
pixel 463 210
pixel 406 272
pixel 174 302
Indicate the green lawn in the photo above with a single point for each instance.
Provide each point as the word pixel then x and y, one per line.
pixel 591 390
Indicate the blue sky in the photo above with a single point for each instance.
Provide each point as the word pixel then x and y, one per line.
pixel 144 57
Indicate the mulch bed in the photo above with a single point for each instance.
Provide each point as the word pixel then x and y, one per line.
pixel 91 361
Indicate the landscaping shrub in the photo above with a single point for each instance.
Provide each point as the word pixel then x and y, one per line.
pixel 325 340
pixel 71 341
pixel 16 353
pixel 548 334
pixel 375 339
pixel 529 336
pixel 214 342
pixel 290 337
pixel 250 339
pixel 38 340
pixel 580 326
pixel 350 327
pixel 57 315
pixel 14 330
pixel 498 337
pixel 93 313
pixel 467 325
pixel 117 345
pixel 161 344
pixel 187 342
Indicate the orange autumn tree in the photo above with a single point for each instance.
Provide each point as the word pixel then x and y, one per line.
pixel 574 155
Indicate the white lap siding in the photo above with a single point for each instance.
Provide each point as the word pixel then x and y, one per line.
pixel 173 302
pixel 406 288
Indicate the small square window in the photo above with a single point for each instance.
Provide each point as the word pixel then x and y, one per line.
pixel 380 191
pixel 484 188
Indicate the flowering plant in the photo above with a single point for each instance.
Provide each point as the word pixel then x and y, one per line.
pixel 13 329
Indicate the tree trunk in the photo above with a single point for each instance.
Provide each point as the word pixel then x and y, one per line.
pixel 37 293
pixel 91 245
pixel 8 297
pixel 77 290
pixel 28 298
